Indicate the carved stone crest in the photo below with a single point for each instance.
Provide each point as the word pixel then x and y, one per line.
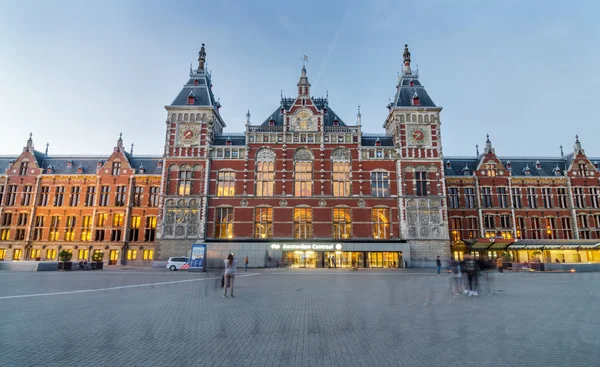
pixel 283 203
pixel 322 203
pixel 361 203
pixel 303 154
pixel 265 154
pixel 244 202
pixel 340 154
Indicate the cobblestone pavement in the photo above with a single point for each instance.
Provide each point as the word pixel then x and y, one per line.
pixel 297 318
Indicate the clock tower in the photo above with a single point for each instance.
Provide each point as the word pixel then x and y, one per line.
pixel 192 121
pixel 414 122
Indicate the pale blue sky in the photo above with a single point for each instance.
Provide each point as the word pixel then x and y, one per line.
pixel 76 73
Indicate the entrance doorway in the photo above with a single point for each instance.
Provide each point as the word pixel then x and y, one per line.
pixel 383 259
pixel 344 259
pixel 301 259
pixel 114 257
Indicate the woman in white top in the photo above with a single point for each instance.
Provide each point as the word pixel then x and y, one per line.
pixel 230 264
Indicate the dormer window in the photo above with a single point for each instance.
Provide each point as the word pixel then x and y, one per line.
pixel 80 169
pixel 336 122
pixel 557 171
pixel 191 99
pixel 50 169
pixel 416 101
pixel 508 165
pixel 160 164
pixel 271 122
pixel 116 168
pixel 195 81
pixel 69 164
pixel 228 142
pixel 99 164
pixel 538 165
pixel 23 168
pixel 411 83
pixel 596 165
pixel 377 143
pixel 491 169
pixel 142 169
pixel 448 165
pixel 582 170
pixel 527 171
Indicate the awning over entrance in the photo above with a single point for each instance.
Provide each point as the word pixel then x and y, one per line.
pixel 555 244
pixel 500 245
pixel 490 244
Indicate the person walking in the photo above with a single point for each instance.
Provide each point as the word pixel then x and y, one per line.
pixel 499 264
pixel 230 264
pixel 438 263
pixel 333 261
pixel 246 264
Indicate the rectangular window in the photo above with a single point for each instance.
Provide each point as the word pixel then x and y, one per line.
pixel 263 222
pixel 453 198
pixel 74 200
pixel 562 197
pixel 536 229
pixel 341 179
pixel 70 228
pixel 150 232
pixel 59 195
pixel 101 219
pixel 547 197
pixel 185 182
pixel 342 225
pixel 595 196
pixel 116 232
pixel 5 234
pixel 115 235
pixel 421 183
pixel 131 254
pixel 551 232
pixel 579 197
pixel 23 168
pixel 6 219
pixel 265 178
pixel 116 168
pixel 472 228
pixel 224 223
pixel 226 183
pixel 120 196
pixel 148 255
pixel 455 229
pixel 20 234
pixel 26 197
pixel 90 195
pixel 1 194
pixel 486 197
pixel 516 197
pixel 17 254
pixel 117 220
pixel 302 222
pixel 153 197
pixel 469 197
pixel 505 221
pixel 54 228
pixel 83 254
pixel 520 221
pixel 380 223
pixel 99 235
pixel 303 178
pixel 2 254
pixel 104 195
pixel 86 228
pixel 566 228
pixel 38 228
pixel 532 197
pixel 11 195
pixel 584 231
pixel 51 254
pixel 380 184
pixel 138 192
pixel 134 228
pixel 22 219
pixel 502 197
pixel 488 221
pixel 34 254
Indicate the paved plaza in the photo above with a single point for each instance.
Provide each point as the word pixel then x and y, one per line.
pixel 296 318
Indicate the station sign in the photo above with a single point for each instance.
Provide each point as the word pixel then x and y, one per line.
pixel 307 246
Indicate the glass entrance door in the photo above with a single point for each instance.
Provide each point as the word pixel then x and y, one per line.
pixel 114 256
pixel 304 259
pixel 382 259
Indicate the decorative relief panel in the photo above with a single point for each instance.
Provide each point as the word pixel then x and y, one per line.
pixel 340 154
pixel 424 218
pixel 265 155
pixel 180 222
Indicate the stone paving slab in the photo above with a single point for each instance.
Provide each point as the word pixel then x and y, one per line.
pixel 300 319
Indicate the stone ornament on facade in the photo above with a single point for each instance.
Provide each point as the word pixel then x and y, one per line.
pixel 322 203
pixel 181 203
pixel 244 202
pixel 303 154
pixel 193 203
pixel 283 203
pixel 361 203
pixel 340 154
pixel 265 155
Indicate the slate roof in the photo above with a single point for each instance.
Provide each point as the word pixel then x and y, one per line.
pixel 405 92
pixel 518 165
pixel 370 140
pixel 202 91
pixel 89 163
pixel 237 140
pixel 320 103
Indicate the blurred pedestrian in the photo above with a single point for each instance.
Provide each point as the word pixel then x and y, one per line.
pixel 230 264
pixel 499 264
pixel 457 283
pixel 333 262
pixel 246 264
pixel 438 263
pixel 471 268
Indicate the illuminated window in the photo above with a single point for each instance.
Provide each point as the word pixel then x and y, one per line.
pixel 342 224
pixel 148 255
pixel 86 228
pixel 5 234
pixel 34 253
pixel 455 229
pixel 17 253
pixel 51 254
pixel 101 221
pixel 131 254
pixel 150 232
pixel 265 172
pixel 224 222
pixel 551 232
pixel 185 181
pixel 134 228
pixel 2 253
pixel 380 184
pixel 380 223
pixel 263 222
pixel 54 228
pixel 303 169
pixel 341 178
pixel 70 228
pixel 225 183
pixel 491 169
pixel 302 222
pixel 83 254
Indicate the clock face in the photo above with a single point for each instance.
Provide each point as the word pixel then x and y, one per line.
pixel 418 136
pixel 188 134
pixel 303 121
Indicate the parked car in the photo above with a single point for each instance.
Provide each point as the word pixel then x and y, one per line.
pixel 175 263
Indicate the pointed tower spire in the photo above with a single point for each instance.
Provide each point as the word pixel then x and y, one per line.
pixel 120 143
pixel 248 118
pixel 406 56
pixel 131 152
pixel 477 149
pixel 562 153
pixel 303 84
pixel 201 58
pixel 577 148
pixel 29 146
pixel 46 152
pixel 488 145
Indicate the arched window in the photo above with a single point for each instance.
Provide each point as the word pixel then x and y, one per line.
pixel 380 184
pixel 340 175
pixel 342 224
pixel 224 222
pixel 184 183
pixel 421 181
pixel 302 222
pixel 303 169
pixel 265 172
pixel 225 183
pixel 263 222
pixel 380 223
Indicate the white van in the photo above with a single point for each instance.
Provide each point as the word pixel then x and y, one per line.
pixel 175 263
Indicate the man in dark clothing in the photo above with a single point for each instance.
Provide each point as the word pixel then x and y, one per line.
pixel 438 263
pixel 471 267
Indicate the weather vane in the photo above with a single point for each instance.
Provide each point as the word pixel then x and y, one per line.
pixel 304 60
